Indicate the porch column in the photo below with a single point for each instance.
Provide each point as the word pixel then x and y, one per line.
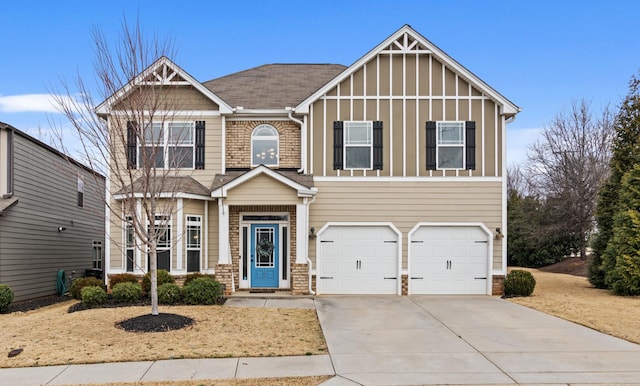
pixel 179 233
pixel 302 232
pixel 223 233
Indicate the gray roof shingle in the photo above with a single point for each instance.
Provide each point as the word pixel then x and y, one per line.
pixel 273 86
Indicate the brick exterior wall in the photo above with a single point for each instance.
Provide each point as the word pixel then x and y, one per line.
pixel 234 240
pixel 498 285
pixel 238 143
pixel 405 285
pixel 299 279
pixel 223 275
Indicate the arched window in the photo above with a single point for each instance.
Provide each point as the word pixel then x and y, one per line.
pixel 264 146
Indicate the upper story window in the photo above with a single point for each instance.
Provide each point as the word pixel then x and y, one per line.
pixel 357 145
pixel 6 163
pixel 264 146
pixel 166 145
pixel 451 145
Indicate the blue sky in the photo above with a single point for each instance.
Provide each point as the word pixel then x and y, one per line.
pixel 542 55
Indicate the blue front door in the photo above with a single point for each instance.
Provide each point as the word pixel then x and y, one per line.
pixel 264 255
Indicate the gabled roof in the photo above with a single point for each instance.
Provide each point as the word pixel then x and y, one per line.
pixel 273 86
pixel 162 72
pixel 418 41
pixel 300 182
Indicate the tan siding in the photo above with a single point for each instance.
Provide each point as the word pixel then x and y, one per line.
pixel 385 117
pixel 436 113
pixel 436 72
pixel 385 88
pixel 463 87
pixel 450 109
pixel 423 70
pixel 450 82
pixel 345 86
pixel 406 203
pixel 262 190
pixel 398 75
pixel 411 75
pixel 489 138
pixel 372 80
pixel 212 253
pixel 411 137
pixel 358 110
pixel 358 82
pixel 332 115
pixel 168 98
pixel 345 110
pixel 397 137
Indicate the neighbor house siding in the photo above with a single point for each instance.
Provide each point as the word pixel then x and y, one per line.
pixel 32 250
pixel 404 204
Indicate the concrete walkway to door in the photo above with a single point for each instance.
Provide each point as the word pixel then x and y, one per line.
pixel 392 340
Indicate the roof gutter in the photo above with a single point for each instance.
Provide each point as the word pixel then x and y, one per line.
pixel 303 139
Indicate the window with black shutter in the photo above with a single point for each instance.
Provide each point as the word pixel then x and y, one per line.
pixel 451 145
pixel 338 138
pixel 132 145
pixel 200 125
pixel 377 145
pixel 470 145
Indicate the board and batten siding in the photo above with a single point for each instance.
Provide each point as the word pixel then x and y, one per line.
pixel 32 250
pixel 404 90
pixel 407 203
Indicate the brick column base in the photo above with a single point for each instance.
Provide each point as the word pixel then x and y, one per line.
pixel 498 285
pixel 405 285
pixel 223 275
pixel 299 279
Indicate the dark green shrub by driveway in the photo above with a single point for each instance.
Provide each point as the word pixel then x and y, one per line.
pixel 169 293
pixel 93 296
pixel 122 278
pixel 6 297
pixel 126 292
pixel 202 290
pixel 80 283
pixel 519 283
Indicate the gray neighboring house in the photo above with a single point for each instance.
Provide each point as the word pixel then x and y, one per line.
pixel 51 215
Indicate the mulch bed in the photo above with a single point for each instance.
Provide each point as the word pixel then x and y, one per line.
pixel 155 323
pixel 34 304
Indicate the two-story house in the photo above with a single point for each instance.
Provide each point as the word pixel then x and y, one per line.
pixel 51 215
pixel 384 177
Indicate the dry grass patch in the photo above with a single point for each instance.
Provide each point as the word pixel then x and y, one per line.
pixel 292 381
pixel 573 298
pixel 51 336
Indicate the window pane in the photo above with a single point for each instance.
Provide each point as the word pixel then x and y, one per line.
pixel 450 133
pixel 152 157
pixel 358 133
pixel 265 131
pixel 154 134
pixel 193 237
pixel 181 133
pixel 450 158
pixel 265 152
pixel 358 157
pixel 181 157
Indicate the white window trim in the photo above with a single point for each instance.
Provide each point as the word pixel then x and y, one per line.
pixel 345 145
pixel 462 146
pixel 165 144
pixel 266 138
pixel 193 223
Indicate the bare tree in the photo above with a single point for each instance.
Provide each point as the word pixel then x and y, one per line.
pixel 569 164
pixel 129 142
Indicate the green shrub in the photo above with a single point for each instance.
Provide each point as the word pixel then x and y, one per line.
pixel 169 293
pixel 127 292
pixel 80 283
pixel 93 296
pixel 122 278
pixel 195 275
pixel 163 278
pixel 203 290
pixel 519 283
pixel 6 297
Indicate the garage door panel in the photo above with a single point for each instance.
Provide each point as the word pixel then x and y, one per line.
pixel 448 260
pixel 361 261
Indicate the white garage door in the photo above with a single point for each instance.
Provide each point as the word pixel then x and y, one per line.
pixel 357 260
pixel 448 260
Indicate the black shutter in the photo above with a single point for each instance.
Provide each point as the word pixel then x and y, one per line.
pixel 470 145
pixel 377 145
pixel 132 145
pixel 200 144
pixel 431 145
pixel 338 147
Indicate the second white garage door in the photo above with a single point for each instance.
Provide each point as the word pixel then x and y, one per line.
pixel 448 260
pixel 354 259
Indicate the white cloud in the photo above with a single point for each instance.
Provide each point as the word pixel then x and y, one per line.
pixel 28 103
pixel 518 142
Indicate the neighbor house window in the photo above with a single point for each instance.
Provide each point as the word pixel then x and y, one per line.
pixel 264 146
pixel 6 163
pixel 169 145
pixel 97 254
pixel 80 191
pixel 194 243
pixel 450 145
pixel 357 145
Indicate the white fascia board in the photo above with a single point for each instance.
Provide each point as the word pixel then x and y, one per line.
pixel 408 179
pixel 302 190
pixel 104 108
pixel 124 196
pixel 509 108
pixel 181 114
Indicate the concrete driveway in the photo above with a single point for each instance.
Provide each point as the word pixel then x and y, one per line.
pixel 393 340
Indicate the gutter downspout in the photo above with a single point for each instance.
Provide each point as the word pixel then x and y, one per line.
pixel 303 140
pixel 309 263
